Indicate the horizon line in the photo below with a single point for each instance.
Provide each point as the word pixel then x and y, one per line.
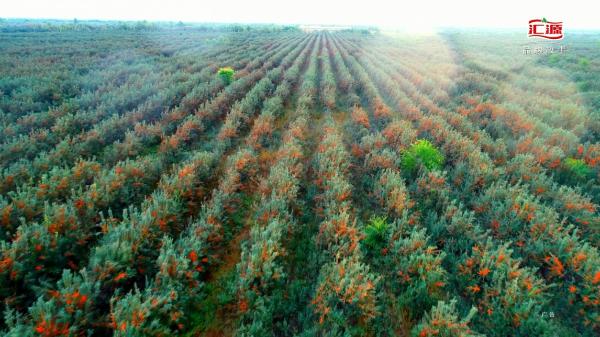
pixel 384 26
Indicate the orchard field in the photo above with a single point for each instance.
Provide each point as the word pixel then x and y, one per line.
pixel 348 183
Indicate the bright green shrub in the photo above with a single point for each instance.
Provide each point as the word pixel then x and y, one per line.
pixel 424 153
pixel 375 234
pixel 226 74
pixel 577 167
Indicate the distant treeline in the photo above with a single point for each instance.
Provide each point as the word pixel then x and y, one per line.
pixel 49 25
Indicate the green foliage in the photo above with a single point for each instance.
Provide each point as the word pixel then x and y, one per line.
pixel 443 321
pixel 64 311
pixel 376 234
pixel 584 62
pixel 158 195
pixel 226 74
pixel 346 293
pixel 553 58
pixel 578 168
pixel 422 153
pixel 391 193
pixel 161 308
pixel 420 278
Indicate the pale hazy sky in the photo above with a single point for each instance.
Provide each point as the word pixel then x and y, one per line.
pixel 415 14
